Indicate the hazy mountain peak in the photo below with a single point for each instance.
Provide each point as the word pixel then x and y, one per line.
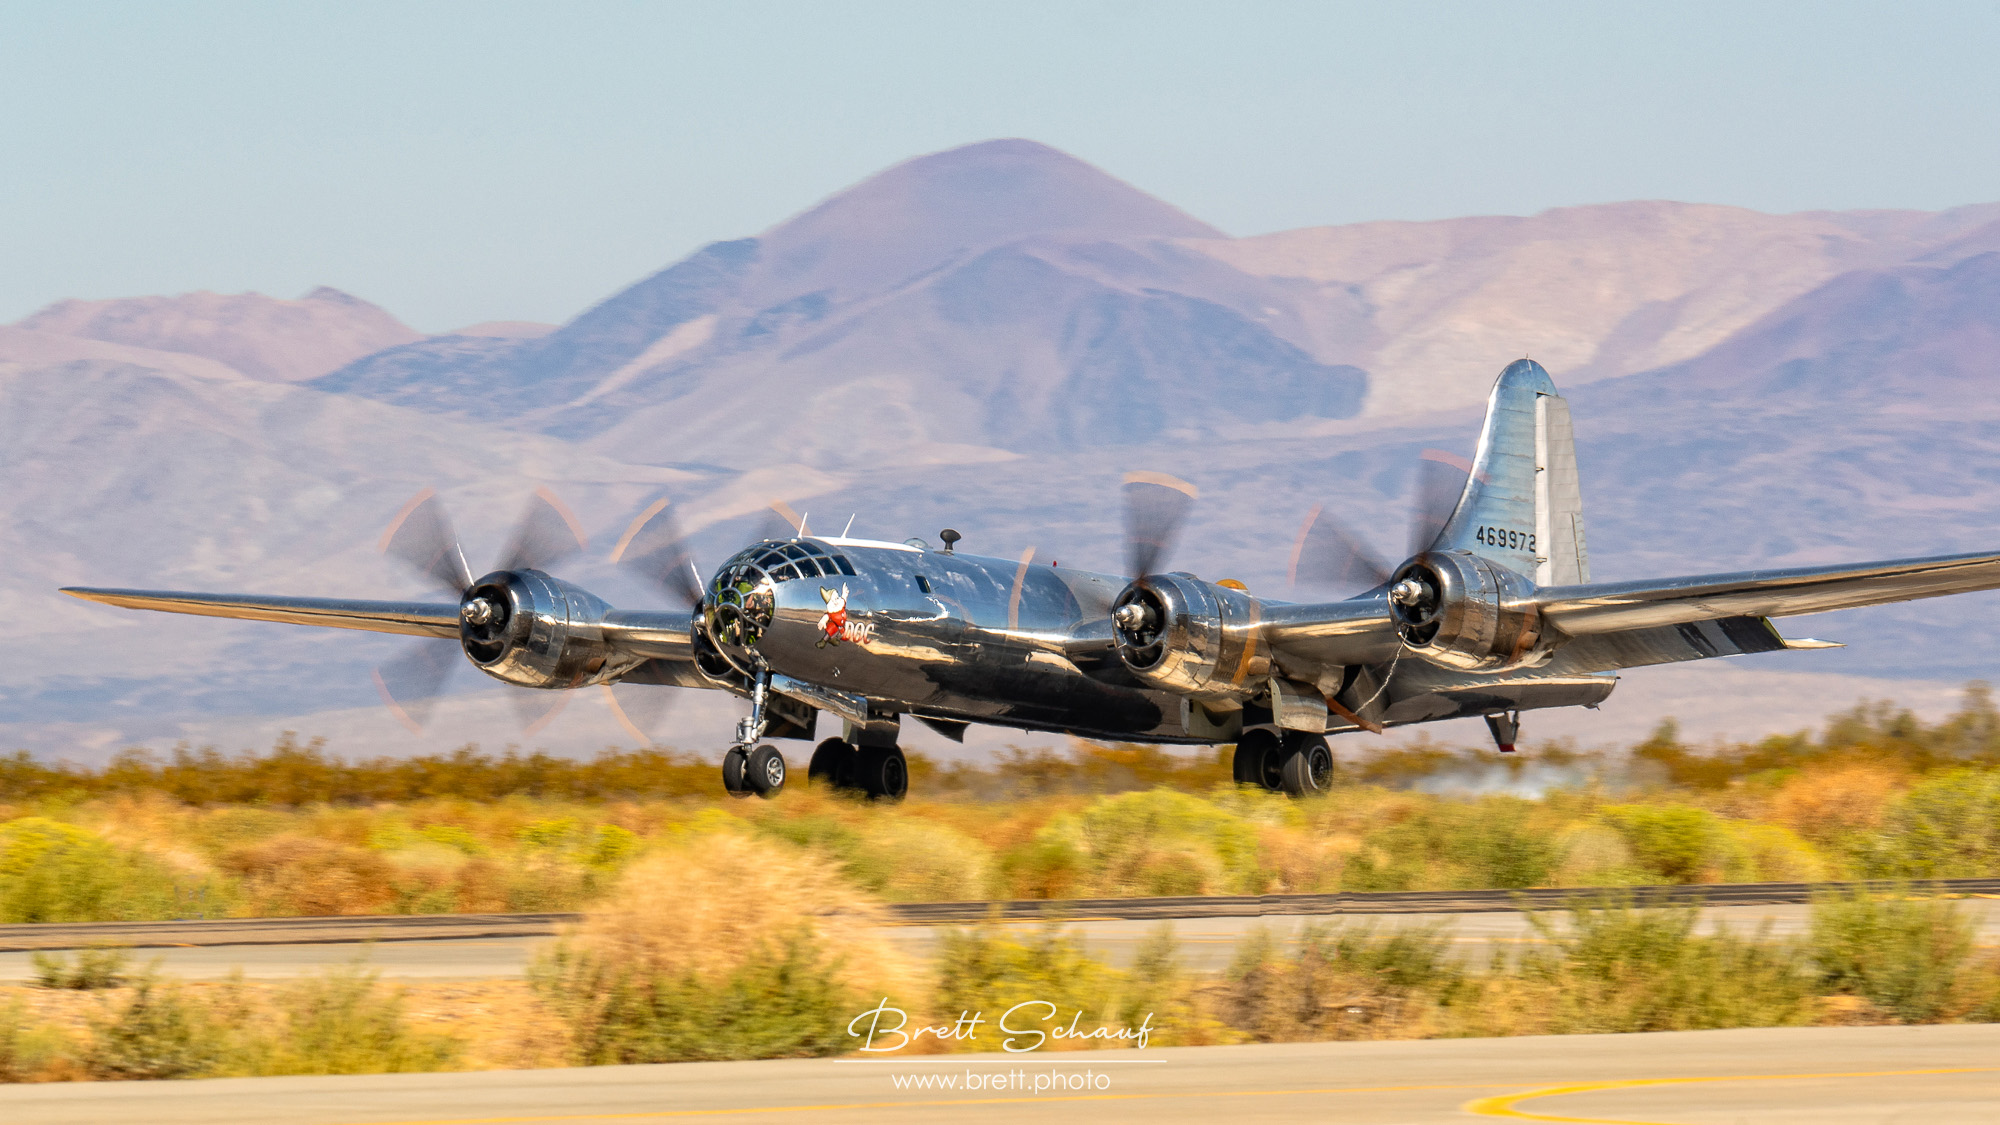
pixel 263 337
pixel 945 206
pixel 335 296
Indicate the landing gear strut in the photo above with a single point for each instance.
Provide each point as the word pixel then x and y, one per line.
pixel 748 768
pixel 1506 729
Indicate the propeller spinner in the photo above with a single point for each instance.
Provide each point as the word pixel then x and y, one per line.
pixel 421 537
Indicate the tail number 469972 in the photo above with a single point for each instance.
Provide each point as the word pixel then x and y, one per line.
pixel 1501 537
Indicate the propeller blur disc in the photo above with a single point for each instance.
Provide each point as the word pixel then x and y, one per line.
pixel 654 547
pixel 547 534
pixel 537 707
pixel 422 539
pixel 1328 553
pixel 1441 481
pixel 640 700
pixel 411 683
pixel 1155 506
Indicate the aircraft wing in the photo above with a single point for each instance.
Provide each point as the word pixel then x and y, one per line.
pixel 654 635
pixel 1356 631
pixel 1615 607
pixel 417 619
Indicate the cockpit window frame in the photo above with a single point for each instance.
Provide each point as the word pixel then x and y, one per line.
pixel 786 560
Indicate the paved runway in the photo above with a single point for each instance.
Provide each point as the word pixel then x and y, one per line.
pixel 1206 943
pixel 1824 1076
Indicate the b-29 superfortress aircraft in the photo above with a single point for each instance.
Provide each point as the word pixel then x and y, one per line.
pixel 1493 613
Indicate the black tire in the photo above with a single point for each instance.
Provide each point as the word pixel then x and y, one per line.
pixel 1256 752
pixel 1308 768
pixel 765 771
pixel 883 773
pixel 831 761
pixel 735 763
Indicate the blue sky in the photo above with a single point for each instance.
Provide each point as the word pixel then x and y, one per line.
pixel 467 162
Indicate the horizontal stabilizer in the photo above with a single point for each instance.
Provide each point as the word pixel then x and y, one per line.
pixel 417 619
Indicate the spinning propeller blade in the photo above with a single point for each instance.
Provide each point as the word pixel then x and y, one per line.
pixel 654 548
pixel 421 538
pixel 410 683
pixel 1441 479
pixel 547 534
pixel 1155 506
pixel 536 707
pixel 638 702
pixel 1328 554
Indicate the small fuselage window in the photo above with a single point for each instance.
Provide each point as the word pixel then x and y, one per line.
pixel 923 584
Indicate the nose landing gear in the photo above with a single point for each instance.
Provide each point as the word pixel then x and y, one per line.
pixel 747 768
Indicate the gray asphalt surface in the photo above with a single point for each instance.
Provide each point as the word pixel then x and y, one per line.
pixel 1206 943
pixel 1827 1076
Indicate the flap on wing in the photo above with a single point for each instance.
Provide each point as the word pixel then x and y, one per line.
pixel 1622 606
pixel 1668 644
pixel 416 619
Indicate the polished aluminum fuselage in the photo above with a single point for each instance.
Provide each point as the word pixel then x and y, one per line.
pixel 960 637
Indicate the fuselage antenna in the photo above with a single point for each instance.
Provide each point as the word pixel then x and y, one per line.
pixel 849 527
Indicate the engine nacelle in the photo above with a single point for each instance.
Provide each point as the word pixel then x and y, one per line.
pixel 527 628
pixel 1184 635
pixel 1463 611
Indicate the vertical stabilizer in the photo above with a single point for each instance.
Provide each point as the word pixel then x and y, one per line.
pixel 1523 505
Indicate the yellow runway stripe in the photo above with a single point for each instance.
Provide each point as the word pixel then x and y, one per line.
pixel 1502 1105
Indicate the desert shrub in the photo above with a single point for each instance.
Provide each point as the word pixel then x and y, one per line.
pixel 1671 843
pixel 29 1051
pixel 1614 967
pixel 158 1032
pixel 1945 827
pixel 1751 852
pixel 1159 993
pixel 907 859
pixel 987 970
pixel 305 875
pixel 1447 844
pixel 341 1020
pixel 1832 804
pixel 1050 865
pixel 1158 842
pixel 216 831
pixel 1904 956
pixel 92 967
pixel 724 947
pixel 818 830
pixel 1341 982
pixel 56 872
pixel 1595 855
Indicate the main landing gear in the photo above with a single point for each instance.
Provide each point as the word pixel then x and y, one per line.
pixel 879 772
pixel 865 760
pixel 748 768
pixel 1294 762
